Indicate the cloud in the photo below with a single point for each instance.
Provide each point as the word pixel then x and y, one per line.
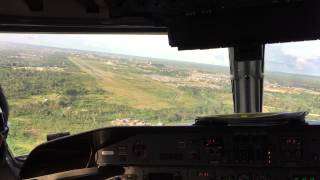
pixel 306 49
pixel 293 58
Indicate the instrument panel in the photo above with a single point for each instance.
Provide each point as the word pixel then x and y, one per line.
pixel 226 154
pixel 282 152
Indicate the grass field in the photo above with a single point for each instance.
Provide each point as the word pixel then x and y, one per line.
pixel 56 90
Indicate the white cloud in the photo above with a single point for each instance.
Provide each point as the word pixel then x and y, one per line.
pixel 305 49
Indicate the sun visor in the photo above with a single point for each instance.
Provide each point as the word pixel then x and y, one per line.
pixel 233 26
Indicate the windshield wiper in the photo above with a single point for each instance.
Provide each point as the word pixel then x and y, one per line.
pixel 253 119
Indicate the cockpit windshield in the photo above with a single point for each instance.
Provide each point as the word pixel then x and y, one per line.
pixel 292 81
pixel 74 83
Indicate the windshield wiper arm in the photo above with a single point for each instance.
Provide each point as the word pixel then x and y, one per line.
pixel 253 119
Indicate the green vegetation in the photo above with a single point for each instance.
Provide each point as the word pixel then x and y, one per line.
pixel 53 90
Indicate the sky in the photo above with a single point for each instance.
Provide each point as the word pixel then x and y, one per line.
pixel 301 57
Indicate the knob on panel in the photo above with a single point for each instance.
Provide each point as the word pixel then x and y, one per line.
pixel 247 177
pixel 243 177
pixel 139 149
pixel 261 178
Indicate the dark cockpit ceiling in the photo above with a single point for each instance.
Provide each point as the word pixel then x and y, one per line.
pixel 190 24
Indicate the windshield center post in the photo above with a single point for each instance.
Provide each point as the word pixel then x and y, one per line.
pixel 246 69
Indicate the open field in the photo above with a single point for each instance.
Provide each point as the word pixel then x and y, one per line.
pixel 54 90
